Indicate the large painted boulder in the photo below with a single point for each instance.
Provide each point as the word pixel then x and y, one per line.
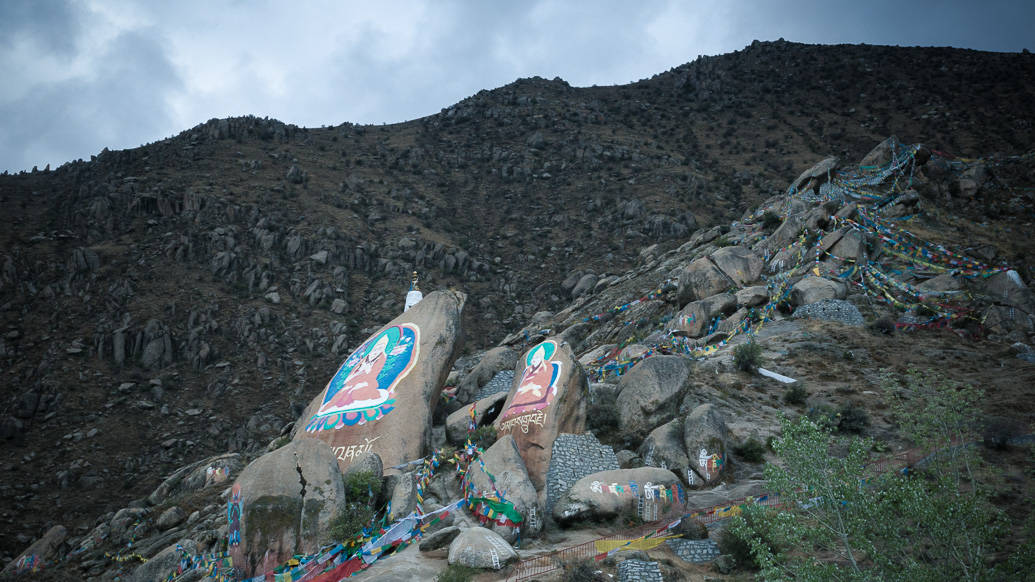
pixel 606 494
pixel 282 504
pixel 382 397
pixel 548 397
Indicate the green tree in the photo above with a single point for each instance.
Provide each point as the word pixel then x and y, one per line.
pixel 841 521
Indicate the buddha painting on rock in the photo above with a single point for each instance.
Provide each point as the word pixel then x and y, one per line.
pixel 538 382
pixel 363 389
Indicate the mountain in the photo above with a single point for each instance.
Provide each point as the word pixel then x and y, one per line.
pixel 163 304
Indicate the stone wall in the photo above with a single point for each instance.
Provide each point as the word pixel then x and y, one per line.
pixel 574 457
pixel 501 382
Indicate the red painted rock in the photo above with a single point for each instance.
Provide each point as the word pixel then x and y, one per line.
pixel 382 397
pixel 548 397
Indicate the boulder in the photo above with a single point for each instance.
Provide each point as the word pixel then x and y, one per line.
pixel 171 518
pixel 880 155
pixel 45 550
pixel 740 264
pixel 606 494
pixel 494 360
pixel 628 459
pixel 664 448
pixel 752 296
pixel 784 234
pixel 478 547
pixel 942 283
pixel 548 397
pixel 812 289
pixel 457 422
pixel 705 436
pixel 364 463
pixel 1007 288
pixel 439 539
pixel 382 397
pixel 403 495
pixel 815 176
pixel 282 505
pixel 696 318
pixel 650 393
pixel 503 461
pixel 585 285
pixel 850 246
pixel 700 279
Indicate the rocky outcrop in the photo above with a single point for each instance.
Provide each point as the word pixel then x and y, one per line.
pixel 701 279
pixel 697 317
pixel 740 264
pixel 44 551
pixel 283 503
pixel 383 395
pixel 812 289
pixel 548 398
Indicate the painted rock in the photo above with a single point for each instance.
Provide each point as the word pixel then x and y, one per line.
pixel 509 480
pixel 705 436
pixel 382 397
pixel 485 411
pixel 548 397
pixel 606 494
pixel 282 504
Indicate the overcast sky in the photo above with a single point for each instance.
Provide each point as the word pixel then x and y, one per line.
pixel 83 75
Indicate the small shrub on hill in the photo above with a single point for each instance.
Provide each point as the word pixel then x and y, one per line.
pixel 750 451
pixel 796 394
pixel 747 357
pixel 852 419
pixel 361 494
pixel 484 436
pixel 771 220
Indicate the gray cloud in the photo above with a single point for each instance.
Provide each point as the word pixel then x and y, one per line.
pixel 84 75
pixel 123 102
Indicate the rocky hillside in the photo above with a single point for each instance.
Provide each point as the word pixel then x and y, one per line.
pixel 187 298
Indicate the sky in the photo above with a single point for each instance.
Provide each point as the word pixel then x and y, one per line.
pixel 82 75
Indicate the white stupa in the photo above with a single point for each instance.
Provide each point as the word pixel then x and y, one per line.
pixel 413 296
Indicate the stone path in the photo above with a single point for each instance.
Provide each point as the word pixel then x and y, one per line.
pixel 639 571
pixel 696 551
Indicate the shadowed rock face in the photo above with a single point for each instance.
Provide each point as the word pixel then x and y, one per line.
pixel 548 397
pixel 283 503
pixel 382 397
